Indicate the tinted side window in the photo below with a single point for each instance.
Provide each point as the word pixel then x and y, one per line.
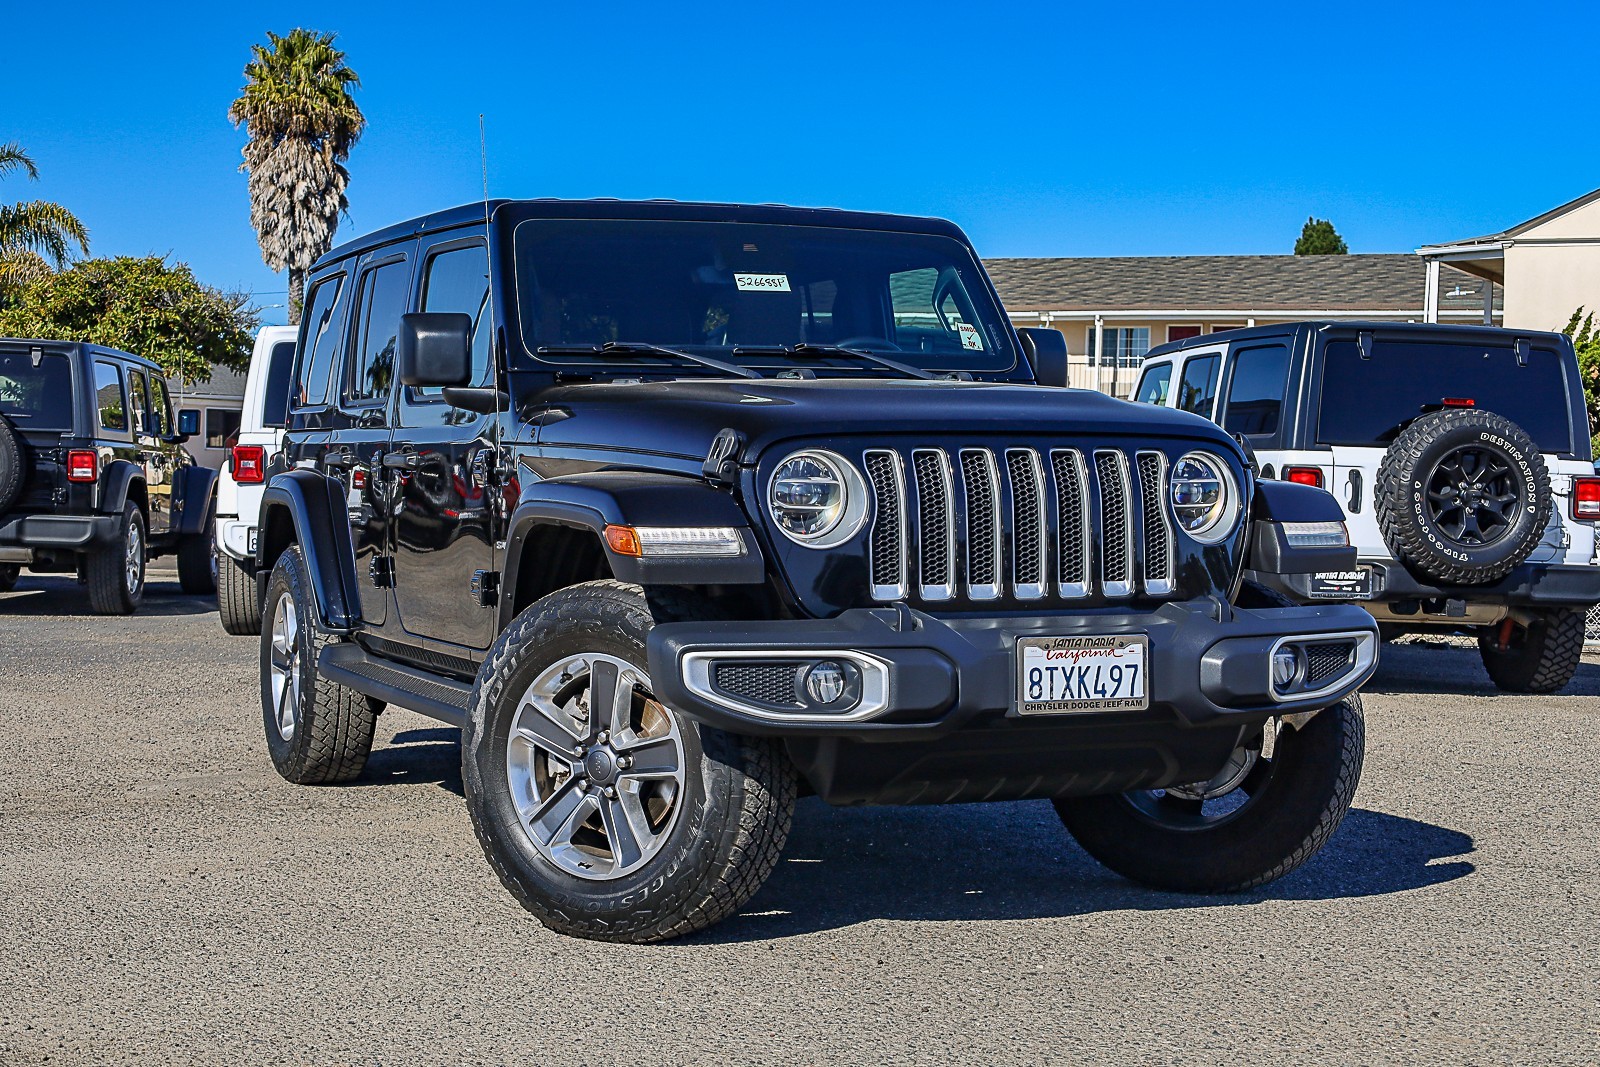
pixel 139 401
pixel 1198 388
pixel 221 425
pixel 1255 390
pixel 458 281
pixel 320 336
pixel 1153 386
pixel 275 402
pixel 383 301
pixel 108 397
pixel 160 408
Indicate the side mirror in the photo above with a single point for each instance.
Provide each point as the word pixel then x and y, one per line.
pixel 435 348
pixel 1046 349
pixel 188 422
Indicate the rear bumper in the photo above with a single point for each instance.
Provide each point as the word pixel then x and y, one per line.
pixel 942 675
pixel 237 538
pixel 59 531
pixel 1532 585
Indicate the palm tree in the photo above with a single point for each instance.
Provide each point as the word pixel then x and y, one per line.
pixel 36 237
pixel 297 108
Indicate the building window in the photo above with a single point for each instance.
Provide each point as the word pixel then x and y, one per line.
pixel 1181 333
pixel 221 424
pixel 1125 346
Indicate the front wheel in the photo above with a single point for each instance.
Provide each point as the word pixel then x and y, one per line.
pixel 1268 811
pixel 1539 657
pixel 605 813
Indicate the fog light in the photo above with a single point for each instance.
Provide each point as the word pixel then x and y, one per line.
pixel 826 682
pixel 1285 668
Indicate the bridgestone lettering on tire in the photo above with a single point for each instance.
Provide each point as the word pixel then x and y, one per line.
pixel 323 733
pixel 1463 496
pixel 736 799
pixel 1541 657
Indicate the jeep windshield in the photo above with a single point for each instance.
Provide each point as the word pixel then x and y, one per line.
pixel 768 297
pixel 36 395
pixel 1367 401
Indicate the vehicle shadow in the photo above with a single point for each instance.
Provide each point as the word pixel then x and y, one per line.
pixel 980 862
pixel 42 595
pixel 1424 666
pixel 417 757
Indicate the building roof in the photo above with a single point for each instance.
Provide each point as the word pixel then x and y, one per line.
pixel 1521 227
pixel 1266 284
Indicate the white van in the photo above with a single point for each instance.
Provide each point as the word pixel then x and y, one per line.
pixel 243 477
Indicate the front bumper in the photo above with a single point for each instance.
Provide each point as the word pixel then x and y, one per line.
pixel 1208 663
pixel 70 532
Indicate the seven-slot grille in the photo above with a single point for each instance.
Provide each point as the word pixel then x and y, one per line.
pixel 979 523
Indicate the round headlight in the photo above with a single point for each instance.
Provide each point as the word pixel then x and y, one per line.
pixel 1204 500
pixel 817 499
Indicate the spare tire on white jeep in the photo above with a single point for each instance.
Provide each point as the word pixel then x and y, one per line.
pixel 1463 496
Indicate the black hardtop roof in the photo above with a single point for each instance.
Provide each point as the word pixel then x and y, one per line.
pixel 79 347
pixel 1350 327
pixel 646 211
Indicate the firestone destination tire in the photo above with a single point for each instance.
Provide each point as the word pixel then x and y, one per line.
pixel 1268 816
pixel 1463 496
pixel 606 814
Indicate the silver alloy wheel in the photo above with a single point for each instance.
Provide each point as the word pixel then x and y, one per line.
pixel 286 666
pixel 134 560
pixel 596 767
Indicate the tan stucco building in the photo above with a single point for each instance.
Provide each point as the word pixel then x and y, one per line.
pixel 1549 266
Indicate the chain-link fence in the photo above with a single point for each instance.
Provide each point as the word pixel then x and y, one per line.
pixel 1591 630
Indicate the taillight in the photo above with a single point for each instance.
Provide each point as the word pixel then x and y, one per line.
pixel 83 465
pixel 249 464
pixel 1311 476
pixel 1586 498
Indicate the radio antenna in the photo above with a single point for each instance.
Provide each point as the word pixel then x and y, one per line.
pixel 495 353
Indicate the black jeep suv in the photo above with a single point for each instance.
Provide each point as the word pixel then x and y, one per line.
pixel 682 510
pixel 93 475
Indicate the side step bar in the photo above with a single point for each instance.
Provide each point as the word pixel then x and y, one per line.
pixel 440 698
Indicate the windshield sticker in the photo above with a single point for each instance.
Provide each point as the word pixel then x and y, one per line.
pixel 970 337
pixel 762 283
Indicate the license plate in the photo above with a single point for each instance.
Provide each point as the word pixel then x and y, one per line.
pixel 1066 675
pixel 1342 585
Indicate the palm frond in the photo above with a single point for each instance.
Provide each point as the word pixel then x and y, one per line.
pixel 39 226
pixel 12 157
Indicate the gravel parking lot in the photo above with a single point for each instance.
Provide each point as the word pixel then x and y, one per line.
pixel 166 898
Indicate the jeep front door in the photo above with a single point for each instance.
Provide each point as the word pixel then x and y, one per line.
pixel 152 454
pixel 444 509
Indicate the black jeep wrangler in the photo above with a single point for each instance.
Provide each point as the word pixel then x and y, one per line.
pixel 683 510
pixel 93 475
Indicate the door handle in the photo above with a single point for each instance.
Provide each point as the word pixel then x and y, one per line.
pixel 1355 492
pixel 402 461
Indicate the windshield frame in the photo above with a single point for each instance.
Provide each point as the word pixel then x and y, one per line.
pixel 1004 360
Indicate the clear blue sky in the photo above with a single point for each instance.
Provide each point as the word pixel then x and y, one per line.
pixel 1043 129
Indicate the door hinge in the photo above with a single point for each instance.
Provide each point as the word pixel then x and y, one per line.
pixel 486 588
pixel 381 571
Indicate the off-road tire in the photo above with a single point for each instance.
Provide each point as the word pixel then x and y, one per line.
pixel 333 735
pixel 238 599
pixel 1539 658
pixel 11 467
pixel 1298 810
pixel 1402 511
pixel 106 569
pixel 9 573
pixel 198 567
pixel 739 792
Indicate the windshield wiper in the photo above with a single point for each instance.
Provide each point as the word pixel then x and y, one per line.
pixel 622 348
pixel 806 348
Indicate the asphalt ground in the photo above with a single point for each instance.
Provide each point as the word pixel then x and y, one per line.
pixel 166 898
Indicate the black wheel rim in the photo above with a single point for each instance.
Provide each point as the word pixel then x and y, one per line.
pixel 1206 805
pixel 1472 497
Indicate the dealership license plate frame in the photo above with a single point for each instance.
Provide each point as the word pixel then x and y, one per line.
pixel 1085 643
pixel 1363 583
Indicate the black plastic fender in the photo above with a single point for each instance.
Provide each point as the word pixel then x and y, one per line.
pixel 1293 502
pixel 625 498
pixel 305 508
pixel 118 478
pixel 1276 503
pixel 196 489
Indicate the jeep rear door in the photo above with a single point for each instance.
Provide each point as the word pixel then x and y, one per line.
pixel 443 512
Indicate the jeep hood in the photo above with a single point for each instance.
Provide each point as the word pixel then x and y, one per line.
pixel 681 418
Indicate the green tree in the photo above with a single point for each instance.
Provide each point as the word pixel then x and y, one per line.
pixel 1319 238
pixel 35 237
pixel 144 306
pixel 302 121
pixel 1586 340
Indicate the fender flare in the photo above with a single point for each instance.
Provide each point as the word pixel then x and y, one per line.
pixel 593 501
pixel 119 475
pixel 305 508
pixel 195 484
pixel 1276 503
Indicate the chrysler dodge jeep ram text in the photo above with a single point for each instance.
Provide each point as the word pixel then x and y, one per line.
pixel 684 510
